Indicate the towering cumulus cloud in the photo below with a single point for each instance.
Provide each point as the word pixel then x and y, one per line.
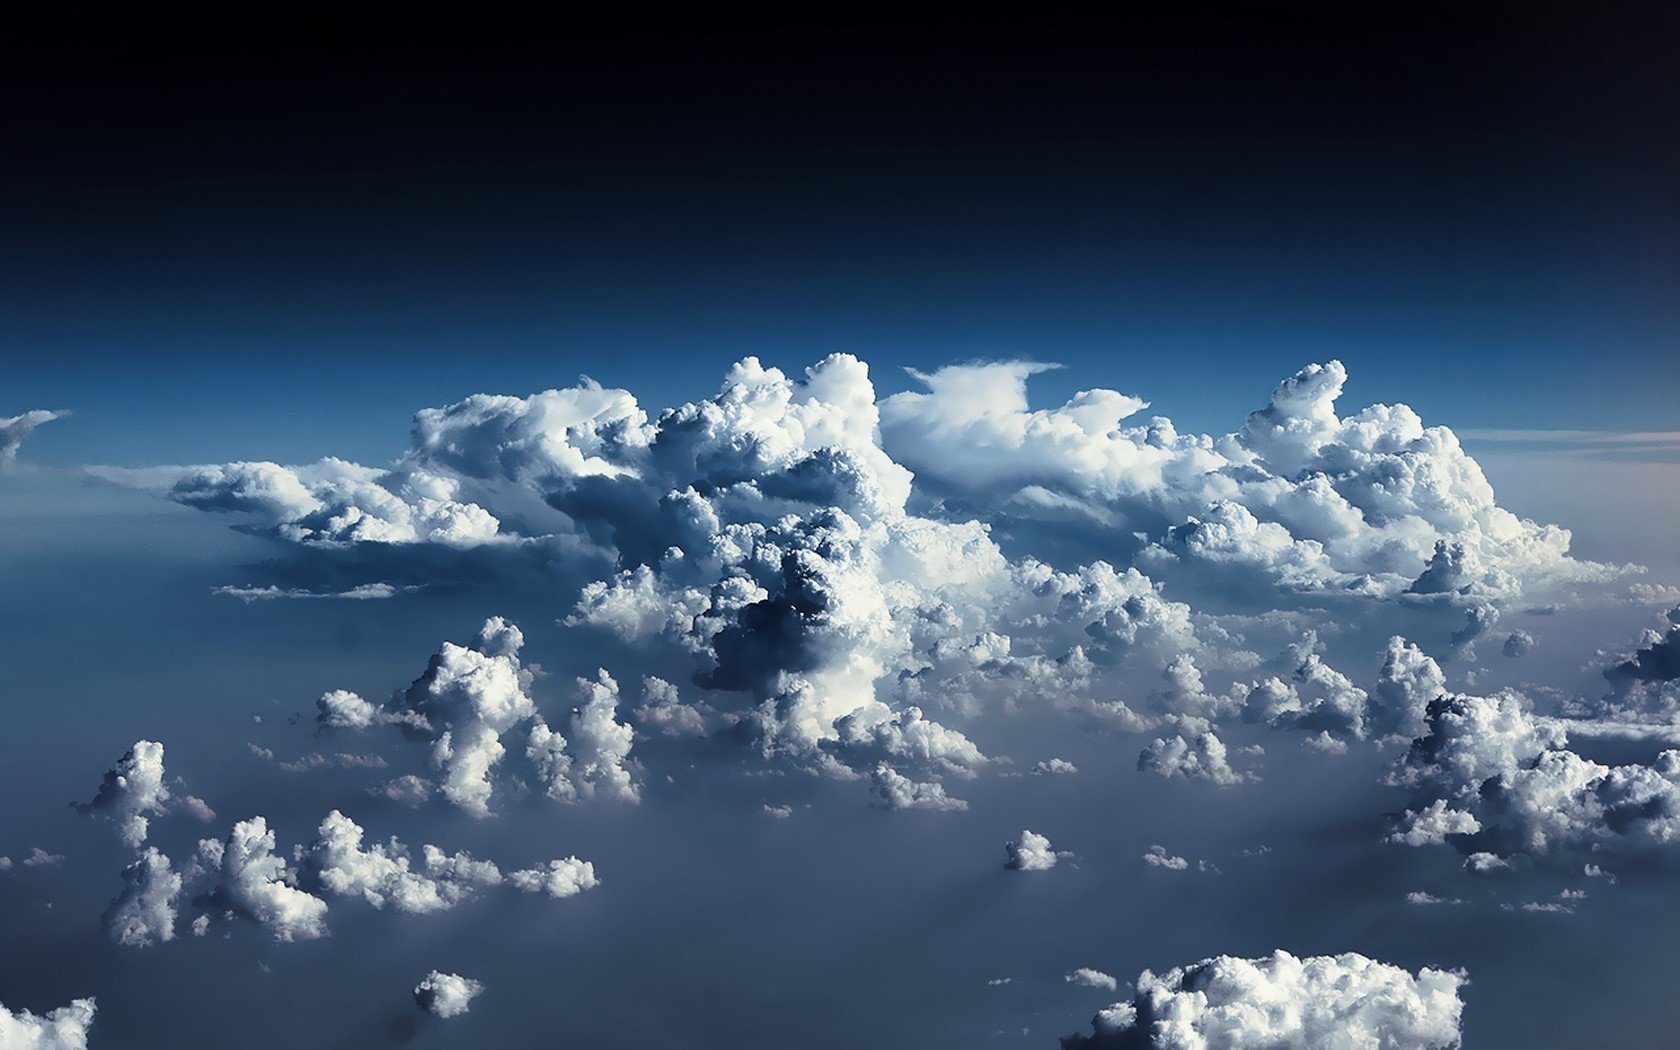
pixel 824 563
pixel 1283 1001
pixel 132 792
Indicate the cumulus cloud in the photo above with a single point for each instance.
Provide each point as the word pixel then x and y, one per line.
pixel 338 864
pixel 1030 852
pixel 132 792
pixel 1054 767
pixel 1501 780
pixel 1284 1001
pixel 897 791
pixel 1194 752
pixel 1158 857
pixel 1089 978
pixel 1518 643
pixel 65 1028
pixel 446 994
pixel 601 744
pixel 250 879
pixel 663 710
pixel 144 913
pixel 13 429
pixel 563 878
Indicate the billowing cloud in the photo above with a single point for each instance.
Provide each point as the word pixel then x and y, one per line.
pixel 132 792
pixel 1194 752
pixel 894 790
pixel 446 994
pixel 250 879
pixel 144 913
pixel 600 743
pixel 65 1028
pixel 1282 1001
pixel 1030 852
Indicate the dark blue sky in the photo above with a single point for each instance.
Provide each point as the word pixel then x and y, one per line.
pixel 318 220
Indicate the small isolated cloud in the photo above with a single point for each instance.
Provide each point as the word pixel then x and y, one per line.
pixel 361 592
pixel 1158 857
pixel 40 858
pixel 446 994
pixel 1421 898
pixel 1518 643
pixel 1089 978
pixel 407 790
pixel 1054 767
pixel 1030 852
pixel 560 879
pixel 63 1029
pixel 779 812
pixel 1283 1001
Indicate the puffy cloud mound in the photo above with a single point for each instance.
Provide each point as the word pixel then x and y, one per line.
pixel 563 878
pixel 133 791
pixel 1501 781
pixel 382 873
pixel 63 1029
pixel 1300 497
pixel 1030 852
pixel 601 743
pixel 1282 1001
pixel 446 994
pixel 897 791
pixel 251 880
pixel 13 429
pixel 144 912
pixel 1194 752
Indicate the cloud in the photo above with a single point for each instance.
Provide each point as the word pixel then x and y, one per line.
pixel 1054 767
pixel 249 879
pixel 601 744
pixel 1501 780
pixel 1030 852
pixel 1158 857
pixel 897 791
pixel 40 858
pixel 559 879
pixel 144 912
pixel 1088 978
pixel 1518 643
pixel 446 994
pixel 133 791
pixel 13 429
pixel 65 1028
pixel 1423 899
pixel 663 710
pixel 338 864
pixel 1194 752
pixel 1284 1001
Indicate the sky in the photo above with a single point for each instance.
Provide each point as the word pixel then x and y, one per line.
pixel 867 534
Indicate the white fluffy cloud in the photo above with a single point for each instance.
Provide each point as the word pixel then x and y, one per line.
pixel 144 913
pixel 1086 977
pixel 340 865
pixel 250 879
pixel 897 791
pixel 65 1028
pixel 1281 1001
pixel 1030 852
pixel 600 743
pixel 563 878
pixel 132 792
pixel 446 994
